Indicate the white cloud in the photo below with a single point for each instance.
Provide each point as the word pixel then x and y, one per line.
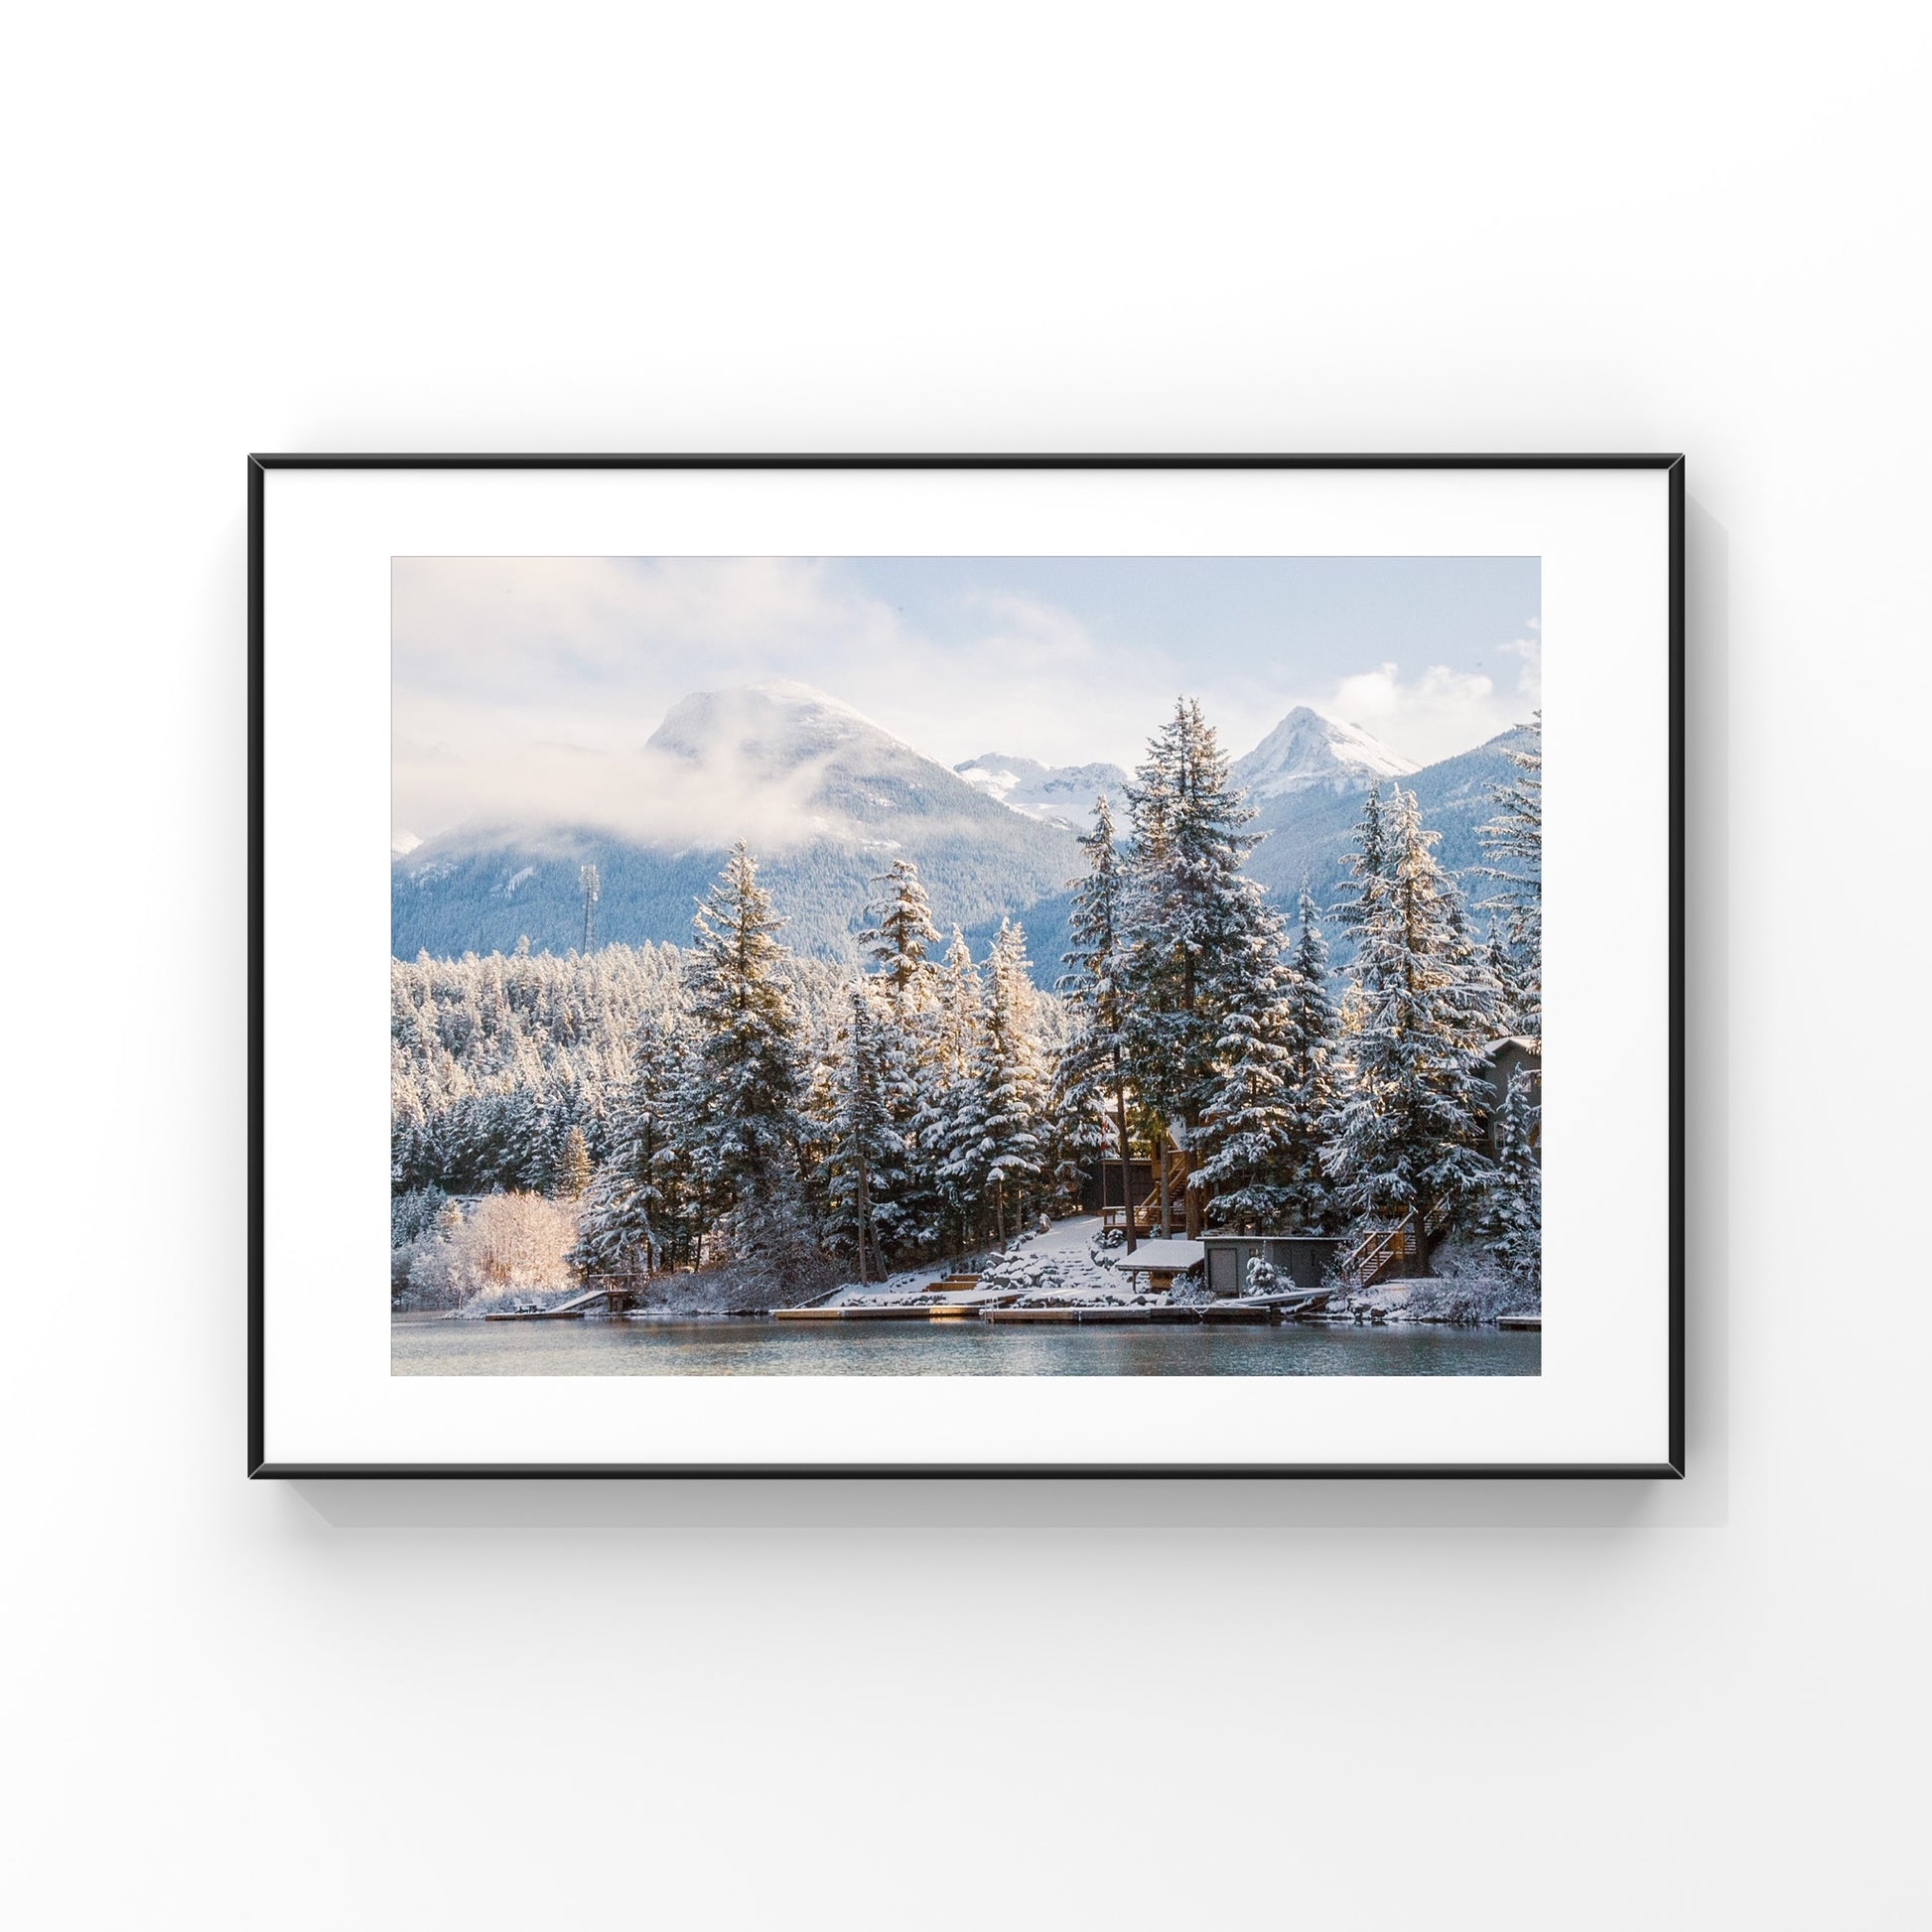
pixel 525 688
pixel 1443 711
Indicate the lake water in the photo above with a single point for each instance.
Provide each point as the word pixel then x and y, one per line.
pixel 721 1347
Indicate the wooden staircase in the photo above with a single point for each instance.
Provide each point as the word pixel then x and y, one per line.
pixel 1146 1213
pixel 1382 1248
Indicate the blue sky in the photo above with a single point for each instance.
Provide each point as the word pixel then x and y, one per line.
pixel 531 683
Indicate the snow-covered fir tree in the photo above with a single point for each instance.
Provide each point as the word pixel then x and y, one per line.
pixel 574 1164
pixel 1246 1124
pixel 1004 1153
pixel 629 1222
pixel 896 942
pixel 1271 1110
pixel 745 1116
pixel 1090 1080
pixel 865 1178
pixel 1511 1220
pixel 1516 996
pixel 947 1121
pixel 1409 1134
pixel 1514 843
pixel 1313 1091
pixel 1190 913
pixel 1368 866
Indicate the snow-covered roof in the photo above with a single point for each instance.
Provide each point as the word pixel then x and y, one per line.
pixel 1492 1048
pixel 1269 1234
pixel 1168 1257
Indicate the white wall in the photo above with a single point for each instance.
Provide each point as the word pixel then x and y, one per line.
pixel 812 227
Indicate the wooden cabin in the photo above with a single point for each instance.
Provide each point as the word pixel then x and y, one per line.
pixel 1119 1188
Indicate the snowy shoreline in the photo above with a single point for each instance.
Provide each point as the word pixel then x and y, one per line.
pixel 1063 1268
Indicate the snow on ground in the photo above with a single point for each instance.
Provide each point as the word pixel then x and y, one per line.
pixel 1057 1266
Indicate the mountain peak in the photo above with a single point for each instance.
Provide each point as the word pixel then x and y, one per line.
pixel 1055 794
pixel 776 722
pixel 1307 749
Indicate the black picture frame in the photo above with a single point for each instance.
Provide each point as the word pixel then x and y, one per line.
pixel 258 1466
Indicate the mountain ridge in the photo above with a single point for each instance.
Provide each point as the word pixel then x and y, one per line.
pixel 837 797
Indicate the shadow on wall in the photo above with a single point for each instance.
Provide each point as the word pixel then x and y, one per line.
pixel 1701 1501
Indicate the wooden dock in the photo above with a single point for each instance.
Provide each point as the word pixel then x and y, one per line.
pixel 1520 1321
pixel 1257 1314
pixel 1068 1312
pixel 856 1311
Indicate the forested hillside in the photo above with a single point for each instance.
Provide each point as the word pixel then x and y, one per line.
pixel 736 1103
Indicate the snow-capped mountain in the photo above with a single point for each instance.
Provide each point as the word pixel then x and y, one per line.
pixel 825 798
pixel 771 730
pixel 1057 794
pixel 402 843
pixel 1306 750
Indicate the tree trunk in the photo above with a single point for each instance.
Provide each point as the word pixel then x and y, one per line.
pixel 1167 1196
pixel 861 1231
pixel 1126 1168
pixel 1190 1192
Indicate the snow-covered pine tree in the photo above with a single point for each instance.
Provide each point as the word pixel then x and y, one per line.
pixel 743 1131
pixel 1368 867
pixel 1007 1086
pixel 1271 1110
pixel 948 1116
pixel 1090 1079
pixel 1514 843
pixel 865 1152
pixel 629 1212
pixel 895 940
pixel 1312 1090
pixel 1516 1000
pixel 899 932
pixel 1245 1125
pixel 1512 1207
pixel 574 1165
pixel 1409 1134
pixel 1189 918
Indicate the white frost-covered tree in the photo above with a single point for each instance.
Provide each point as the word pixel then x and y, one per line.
pixel 865 1178
pixel 998 1160
pixel 1273 1109
pixel 1090 1079
pixel 1511 1220
pixel 632 1203
pixel 897 942
pixel 1190 917
pixel 1368 866
pixel 1514 843
pixel 895 939
pixel 747 1078
pixel 1409 1134
pixel 948 1115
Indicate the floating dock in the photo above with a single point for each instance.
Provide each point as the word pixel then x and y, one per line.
pixel 858 1312
pixel 1070 1312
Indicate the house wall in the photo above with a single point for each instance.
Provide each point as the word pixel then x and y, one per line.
pixel 1302 1259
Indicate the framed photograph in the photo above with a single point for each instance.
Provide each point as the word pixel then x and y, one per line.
pixel 966 965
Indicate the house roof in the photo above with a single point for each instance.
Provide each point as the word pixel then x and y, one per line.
pixel 1168 1257
pixel 1494 1047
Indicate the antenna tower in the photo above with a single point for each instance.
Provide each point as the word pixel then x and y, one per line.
pixel 586 879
